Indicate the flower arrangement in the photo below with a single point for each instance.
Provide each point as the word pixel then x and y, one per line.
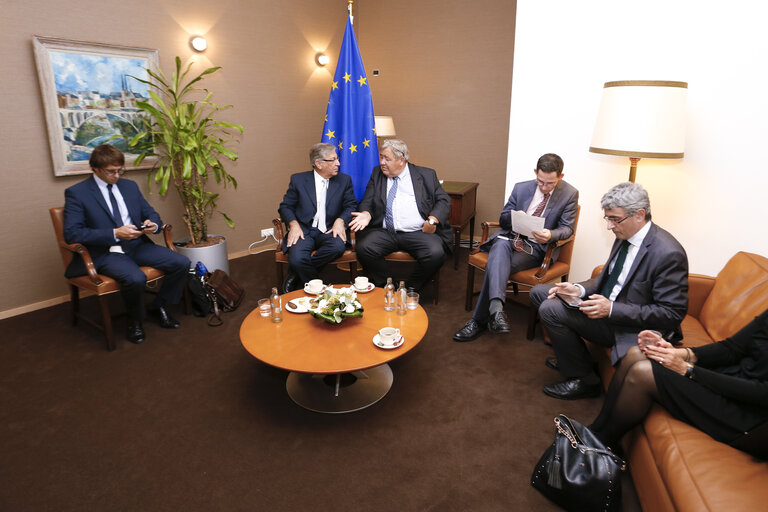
pixel 334 305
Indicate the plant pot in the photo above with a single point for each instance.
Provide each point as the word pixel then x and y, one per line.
pixel 213 256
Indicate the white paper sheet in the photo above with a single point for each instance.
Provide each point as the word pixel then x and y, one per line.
pixel 524 224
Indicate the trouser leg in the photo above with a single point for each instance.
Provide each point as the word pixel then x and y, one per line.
pixel 371 249
pixel 503 260
pixel 328 249
pixel 174 265
pixel 132 281
pixel 428 251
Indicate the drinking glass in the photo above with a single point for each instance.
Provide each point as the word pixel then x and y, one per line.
pixel 265 308
pixel 412 300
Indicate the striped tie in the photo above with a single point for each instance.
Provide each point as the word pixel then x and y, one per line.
pixel 388 217
pixel 115 209
pixel 517 243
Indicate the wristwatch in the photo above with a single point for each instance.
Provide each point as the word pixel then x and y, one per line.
pixel 689 370
pixel 432 222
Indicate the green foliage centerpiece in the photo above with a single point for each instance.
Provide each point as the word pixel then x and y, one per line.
pixel 334 305
pixel 189 143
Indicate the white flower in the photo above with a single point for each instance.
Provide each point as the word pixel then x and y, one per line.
pixel 350 308
pixel 337 316
pixel 322 304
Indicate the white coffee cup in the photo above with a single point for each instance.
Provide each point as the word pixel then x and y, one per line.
pixel 361 283
pixel 314 286
pixel 389 335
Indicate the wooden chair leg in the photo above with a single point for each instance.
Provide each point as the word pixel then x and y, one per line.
pixel 106 319
pixel 279 275
pixel 74 295
pixel 353 270
pixel 436 288
pixel 470 287
pixel 533 314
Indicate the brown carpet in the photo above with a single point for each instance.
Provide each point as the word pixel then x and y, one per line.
pixel 190 421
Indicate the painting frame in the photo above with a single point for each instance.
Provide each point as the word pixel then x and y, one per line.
pixel 106 112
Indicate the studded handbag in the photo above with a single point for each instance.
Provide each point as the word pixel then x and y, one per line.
pixel 577 471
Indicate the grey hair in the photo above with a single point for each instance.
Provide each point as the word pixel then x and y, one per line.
pixel 630 196
pixel 397 146
pixel 320 151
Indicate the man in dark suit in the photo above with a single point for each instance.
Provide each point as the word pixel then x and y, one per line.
pixel 316 208
pixel 111 218
pixel 643 285
pixel 546 196
pixel 404 208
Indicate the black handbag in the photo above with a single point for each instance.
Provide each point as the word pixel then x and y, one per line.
pixel 578 472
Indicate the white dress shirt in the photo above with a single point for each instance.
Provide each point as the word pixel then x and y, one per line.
pixel 321 192
pixel 405 213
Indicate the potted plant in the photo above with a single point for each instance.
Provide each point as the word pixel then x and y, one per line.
pixel 180 129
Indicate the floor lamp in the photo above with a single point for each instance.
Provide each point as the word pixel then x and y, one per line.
pixel 385 127
pixel 641 119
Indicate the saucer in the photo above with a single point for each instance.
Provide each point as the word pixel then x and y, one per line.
pixel 306 290
pixel 300 305
pixel 367 289
pixel 378 343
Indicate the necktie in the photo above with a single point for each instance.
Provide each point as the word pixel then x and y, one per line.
pixel 517 242
pixel 115 209
pixel 613 277
pixel 320 216
pixel 388 217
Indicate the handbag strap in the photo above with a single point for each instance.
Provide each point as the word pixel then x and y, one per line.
pixel 568 432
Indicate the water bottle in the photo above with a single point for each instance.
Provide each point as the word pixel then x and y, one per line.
pixel 401 298
pixel 277 306
pixel 389 295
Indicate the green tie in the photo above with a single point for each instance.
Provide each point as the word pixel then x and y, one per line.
pixel 613 277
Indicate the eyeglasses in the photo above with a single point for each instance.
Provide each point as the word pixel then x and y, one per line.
pixel 545 184
pixel 119 172
pixel 329 159
pixel 615 220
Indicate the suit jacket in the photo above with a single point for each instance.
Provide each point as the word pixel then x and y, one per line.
pixel 300 201
pixel 431 199
pixel 560 214
pixel 88 220
pixel 655 294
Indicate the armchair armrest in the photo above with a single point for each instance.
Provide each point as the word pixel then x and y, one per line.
pixel 547 261
pixel 167 237
pixel 486 227
pixel 279 233
pixel 86 256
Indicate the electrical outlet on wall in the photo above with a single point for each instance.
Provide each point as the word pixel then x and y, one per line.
pixel 267 232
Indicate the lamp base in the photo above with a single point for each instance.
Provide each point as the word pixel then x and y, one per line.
pixel 633 168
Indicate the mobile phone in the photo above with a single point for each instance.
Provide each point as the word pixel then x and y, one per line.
pixel 143 227
pixel 569 300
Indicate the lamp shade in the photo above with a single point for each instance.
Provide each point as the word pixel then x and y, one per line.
pixel 641 118
pixel 385 127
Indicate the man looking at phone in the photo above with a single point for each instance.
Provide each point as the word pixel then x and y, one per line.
pixel 112 219
pixel 643 285
pixel 546 196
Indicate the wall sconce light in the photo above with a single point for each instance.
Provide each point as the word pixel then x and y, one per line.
pixel 198 43
pixel 322 59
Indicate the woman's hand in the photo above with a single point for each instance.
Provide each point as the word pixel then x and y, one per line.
pixel 646 338
pixel 668 356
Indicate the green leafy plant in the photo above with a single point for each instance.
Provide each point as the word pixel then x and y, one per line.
pixel 335 305
pixel 189 142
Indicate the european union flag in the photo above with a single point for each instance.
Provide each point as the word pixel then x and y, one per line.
pixel 349 122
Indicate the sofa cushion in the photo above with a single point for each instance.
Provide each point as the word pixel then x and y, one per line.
pixel 740 294
pixel 694 334
pixel 701 473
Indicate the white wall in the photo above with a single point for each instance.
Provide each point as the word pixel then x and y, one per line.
pixel 714 200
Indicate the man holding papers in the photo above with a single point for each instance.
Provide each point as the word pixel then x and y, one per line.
pixel 553 203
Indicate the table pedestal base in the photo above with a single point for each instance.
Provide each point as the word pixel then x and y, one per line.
pixel 342 392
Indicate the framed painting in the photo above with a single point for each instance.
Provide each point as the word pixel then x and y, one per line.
pixel 89 96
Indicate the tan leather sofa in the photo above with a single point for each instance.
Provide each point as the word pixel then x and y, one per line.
pixel 675 466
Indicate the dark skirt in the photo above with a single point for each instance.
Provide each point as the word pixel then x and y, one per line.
pixel 725 419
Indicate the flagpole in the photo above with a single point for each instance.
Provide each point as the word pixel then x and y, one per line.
pixel 350 3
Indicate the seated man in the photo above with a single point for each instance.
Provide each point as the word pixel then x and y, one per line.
pixel 111 218
pixel 404 208
pixel 316 208
pixel 643 285
pixel 546 196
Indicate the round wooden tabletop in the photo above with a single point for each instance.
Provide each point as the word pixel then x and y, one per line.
pixel 302 343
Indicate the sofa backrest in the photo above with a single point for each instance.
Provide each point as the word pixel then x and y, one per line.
pixel 740 293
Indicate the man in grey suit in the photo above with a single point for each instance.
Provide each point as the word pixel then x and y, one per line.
pixel 404 208
pixel 546 196
pixel 643 285
pixel 316 209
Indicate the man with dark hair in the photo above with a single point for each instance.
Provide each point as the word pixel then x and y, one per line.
pixel 316 209
pixel 112 219
pixel 643 285
pixel 404 208
pixel 546 196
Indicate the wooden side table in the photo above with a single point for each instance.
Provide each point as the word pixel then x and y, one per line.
pixel 463 206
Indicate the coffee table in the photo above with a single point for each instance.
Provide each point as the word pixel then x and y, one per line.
pixel 334 368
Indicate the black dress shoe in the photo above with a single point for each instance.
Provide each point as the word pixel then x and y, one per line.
pixel 165 319
pixel 469 332
pixel 498 323
pixel 135 332
pixel 551 362
pixel 572 389
pixel 289 284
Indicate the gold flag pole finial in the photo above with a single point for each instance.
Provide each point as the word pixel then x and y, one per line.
pixel 350 3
